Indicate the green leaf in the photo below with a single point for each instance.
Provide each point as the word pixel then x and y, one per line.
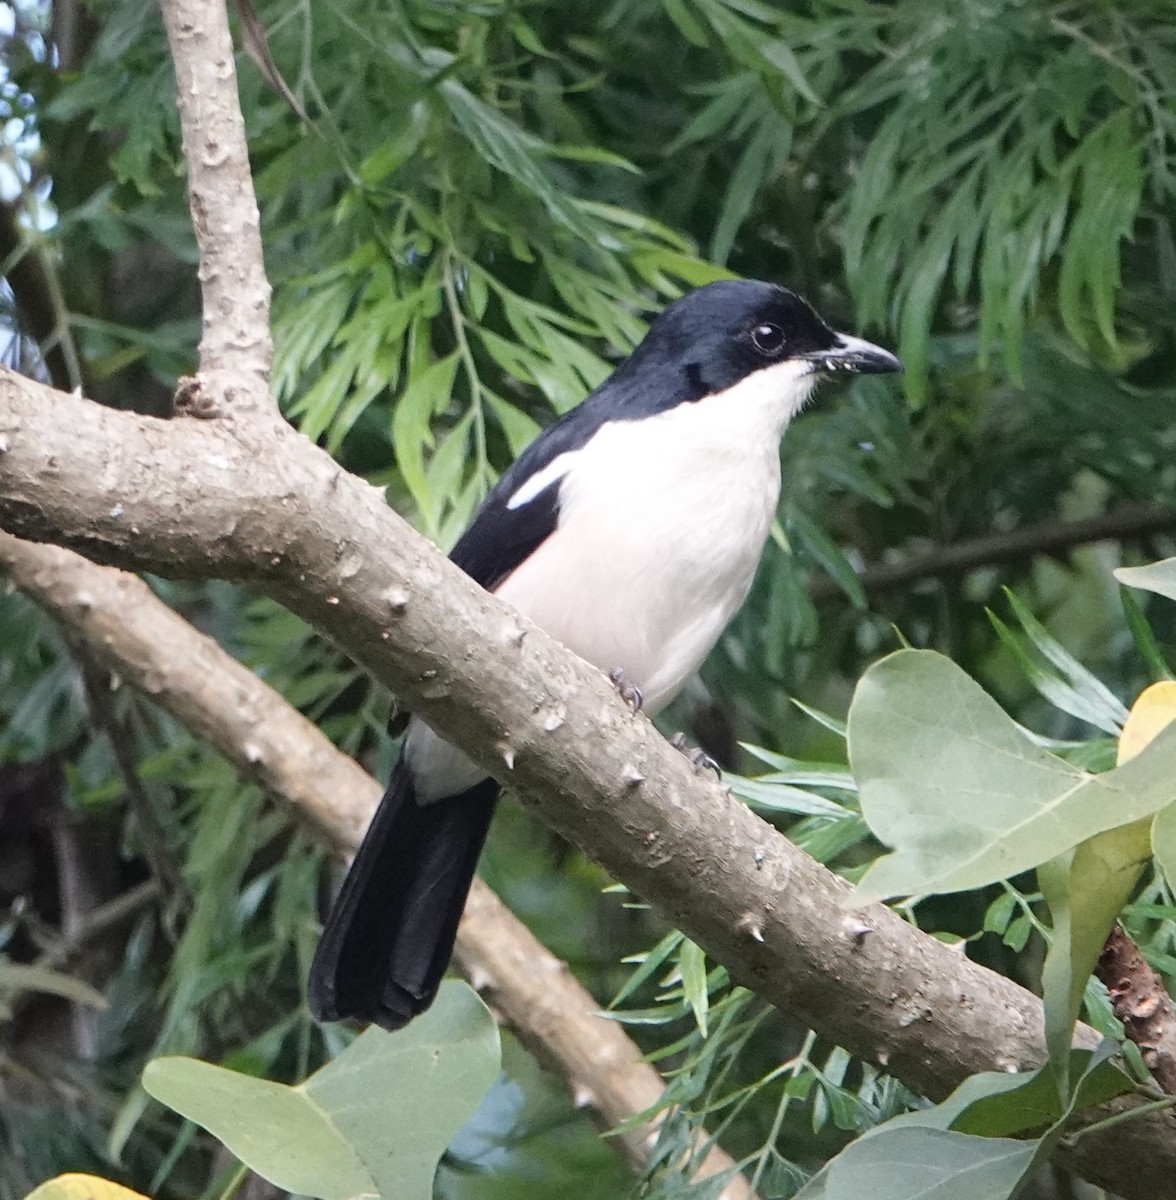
pixel 1163 840
pixel 757 163
pixel 519 428
pixel 512 150
pixel 776 796
pixel 275 1130
pixel 796 770
pixel 1158 577
pixel 428 389
pixel 1055 690
pixel 1000 1104
pixel 1000 913
pixel 376 1120
pixel 829 555
pixel 679 12
pixel 1085 888
pixel 1153 711
pixel 649 965
pixel 1093 692
pixel 922 1164
pixel 823 719
pixel 961 1147
pixel 1145 639
pixel 692 965
pixel 962 795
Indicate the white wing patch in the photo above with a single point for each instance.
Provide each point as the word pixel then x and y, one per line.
pixel 556 469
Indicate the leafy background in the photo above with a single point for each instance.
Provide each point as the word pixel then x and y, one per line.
pixel 490 201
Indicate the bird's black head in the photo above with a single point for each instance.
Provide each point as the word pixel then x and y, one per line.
pixel 712 338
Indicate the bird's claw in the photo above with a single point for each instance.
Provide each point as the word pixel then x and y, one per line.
pixel 630 693
pixel 699 759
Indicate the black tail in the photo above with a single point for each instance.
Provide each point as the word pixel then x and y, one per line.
pixel 390 934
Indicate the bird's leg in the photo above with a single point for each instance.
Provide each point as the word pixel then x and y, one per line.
pixel 699 759
pixel 630 693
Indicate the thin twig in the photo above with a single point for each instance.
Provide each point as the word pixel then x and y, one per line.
pixel 69 945
pixel 1047 537
pixel 98 921
pixel 153 839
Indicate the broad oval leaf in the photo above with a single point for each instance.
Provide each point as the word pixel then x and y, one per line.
pixel 374 1121
pixel 275 1130
pixel 920 1163
pixel 960 793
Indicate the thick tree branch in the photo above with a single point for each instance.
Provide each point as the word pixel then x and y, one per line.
pixel 221 498
pixel 145 644
pixel 233 282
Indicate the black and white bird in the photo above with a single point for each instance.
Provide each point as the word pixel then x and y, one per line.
pixel 629 530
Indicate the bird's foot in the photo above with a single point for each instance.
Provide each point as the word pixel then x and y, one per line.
pixel 699 759
pixel 630 693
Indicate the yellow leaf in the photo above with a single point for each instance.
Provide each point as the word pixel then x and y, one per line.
pixel 1154 710
pixel 82 1187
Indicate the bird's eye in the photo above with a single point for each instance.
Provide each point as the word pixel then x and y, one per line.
pixel 768 339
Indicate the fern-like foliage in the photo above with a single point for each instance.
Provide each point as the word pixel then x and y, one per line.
pixel 1016 148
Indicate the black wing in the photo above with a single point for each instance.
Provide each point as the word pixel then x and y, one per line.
pixel 499 539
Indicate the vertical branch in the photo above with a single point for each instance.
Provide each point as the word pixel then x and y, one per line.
pixel 233 283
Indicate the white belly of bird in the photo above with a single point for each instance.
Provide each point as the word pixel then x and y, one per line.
pixel 653 556
pixel 662 522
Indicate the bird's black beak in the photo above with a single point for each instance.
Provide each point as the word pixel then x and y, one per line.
pixel 855 357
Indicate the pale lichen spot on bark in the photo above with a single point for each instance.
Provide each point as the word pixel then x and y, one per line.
pixel 351 565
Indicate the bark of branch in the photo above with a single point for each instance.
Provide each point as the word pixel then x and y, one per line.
pixel 260 504
pixel 236 292
pixel 1142 1003
pixel 145 644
